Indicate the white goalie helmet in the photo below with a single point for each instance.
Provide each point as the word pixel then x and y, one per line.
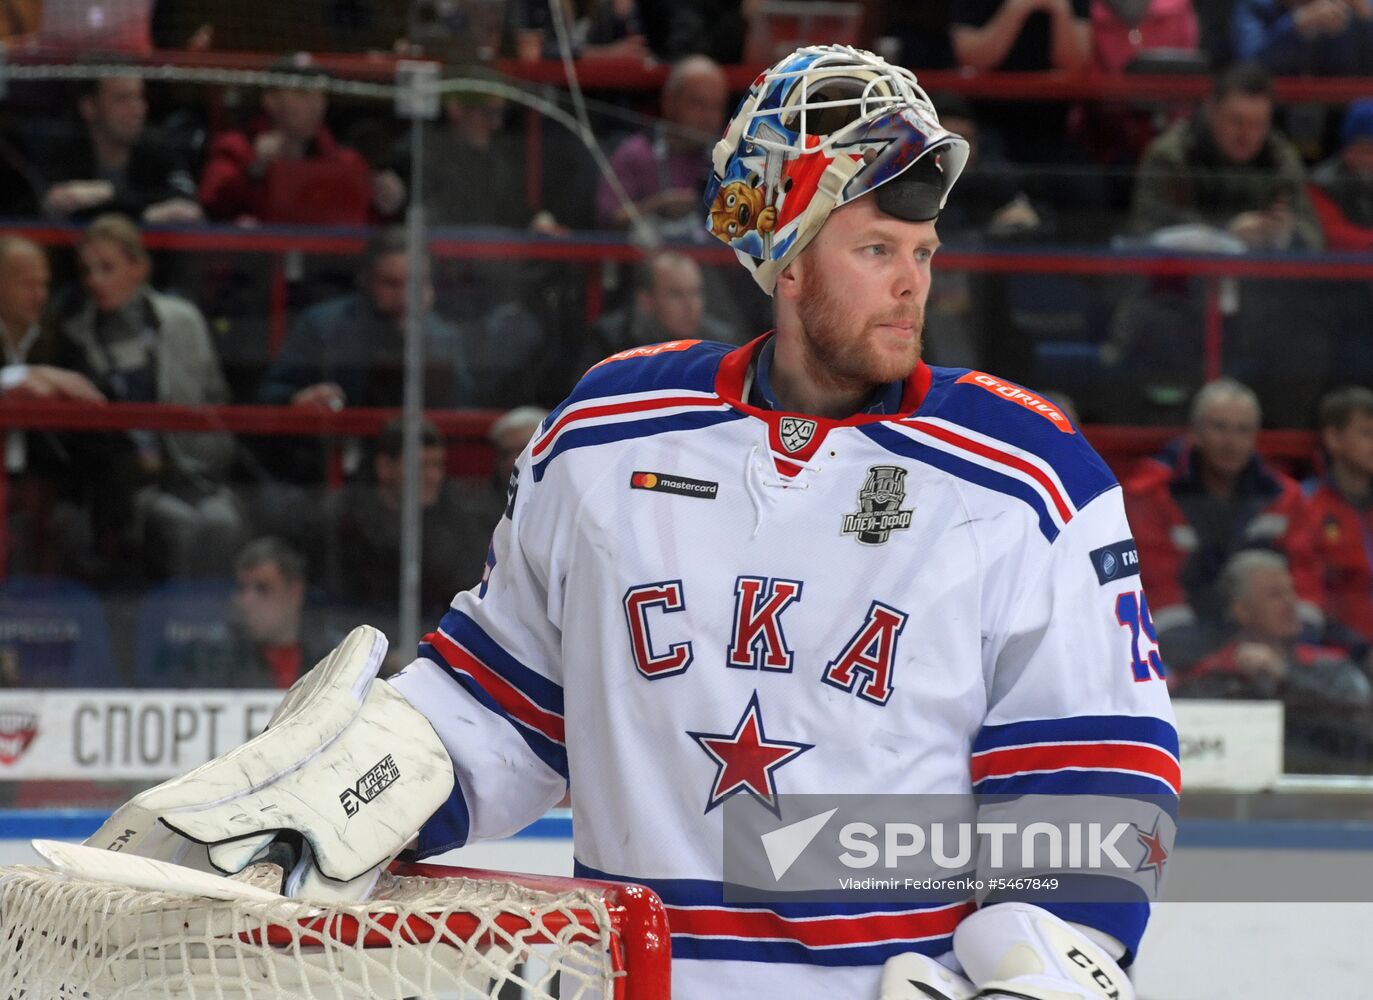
pixel 824 126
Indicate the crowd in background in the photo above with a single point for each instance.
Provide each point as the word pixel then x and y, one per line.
pixel 1260 587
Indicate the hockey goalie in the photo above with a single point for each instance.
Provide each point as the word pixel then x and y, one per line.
pixel 810 564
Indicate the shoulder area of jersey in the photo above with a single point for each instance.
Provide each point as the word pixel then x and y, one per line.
pixel 1029 421
pixel 674 364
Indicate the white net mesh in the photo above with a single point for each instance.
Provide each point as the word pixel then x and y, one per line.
pixel 64 937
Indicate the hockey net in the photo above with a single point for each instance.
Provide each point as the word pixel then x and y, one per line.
pixel 429 931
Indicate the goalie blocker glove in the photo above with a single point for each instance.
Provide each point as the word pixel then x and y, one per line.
pixel 346 767
pixel 1012 951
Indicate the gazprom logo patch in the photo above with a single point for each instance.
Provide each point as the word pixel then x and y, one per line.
pixel 1115 562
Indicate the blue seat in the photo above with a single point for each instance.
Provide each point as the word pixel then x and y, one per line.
pixel 53 633
pixel 172 617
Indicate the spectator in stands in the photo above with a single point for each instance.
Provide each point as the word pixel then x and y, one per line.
pixel 1327 696
pixel 1021 34
pixel 248 176
pixel 1306 37
pixel 161 492
pixel 1342 186
pixel 483 502
pixel 272 639
pixel 24 282
pixel 995 203
pixel 350 351
pixel 669 304
pixel 995 207
pixel 1341 506
pixel 664 169
pixel 597 29
pixel 112 162
pixel 37 470
pixel 1123 29
pixel 508 436
pixel 1036 36
pixel 1153 35
pixel 1207 497
pixel 20 19
pixel 476 146
pixel 359 544
pixel 1227 167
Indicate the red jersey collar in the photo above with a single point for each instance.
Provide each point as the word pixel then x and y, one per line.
pixel 785 429
pixel 729 385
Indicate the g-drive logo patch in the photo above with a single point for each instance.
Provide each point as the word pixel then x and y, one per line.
pixel 1115 562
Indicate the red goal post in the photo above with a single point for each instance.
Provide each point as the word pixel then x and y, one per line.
pixel 428 931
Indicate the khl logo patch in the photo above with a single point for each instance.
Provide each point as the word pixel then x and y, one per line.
pixel 879 506
pixel 795 432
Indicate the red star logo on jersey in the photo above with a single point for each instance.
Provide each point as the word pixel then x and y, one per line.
pixel 1155 853
pixel 746 759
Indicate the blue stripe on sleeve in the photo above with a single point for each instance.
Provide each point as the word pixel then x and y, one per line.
pixel 551 753
pixel 979 475
pixel 582 437
pixel 794 953
pixel 1073 781
pixel 1080 728
pixel 448 828
pixel 545 693
pixel 707 892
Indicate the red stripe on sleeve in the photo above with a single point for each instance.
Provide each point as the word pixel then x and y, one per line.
pixel 1013 461
pixel 1057 757
pixel 819 931
pixel 614 409
pixel 510 698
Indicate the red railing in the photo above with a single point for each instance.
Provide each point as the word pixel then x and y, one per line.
pixel 592 249
pixel 466 432
pixel 649 76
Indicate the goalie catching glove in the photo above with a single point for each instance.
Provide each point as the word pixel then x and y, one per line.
pixel 345 763
pixel 1011 951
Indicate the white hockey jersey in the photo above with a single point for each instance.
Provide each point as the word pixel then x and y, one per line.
pixel 691 598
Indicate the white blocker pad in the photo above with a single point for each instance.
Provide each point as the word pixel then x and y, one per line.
pixel 96 865
pixel 346 762
pixel 913 976
pixel 1024 951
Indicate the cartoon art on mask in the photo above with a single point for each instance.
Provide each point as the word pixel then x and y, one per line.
pixel 822 128
pixel 739 209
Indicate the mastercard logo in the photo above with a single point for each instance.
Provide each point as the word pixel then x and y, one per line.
pixel 645 480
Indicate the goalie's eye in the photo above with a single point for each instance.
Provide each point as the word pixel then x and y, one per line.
pixel 731 200
pixel 732 228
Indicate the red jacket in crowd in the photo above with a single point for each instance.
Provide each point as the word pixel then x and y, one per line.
pixel 1344 549
pixel 1185 536
pixel 336 191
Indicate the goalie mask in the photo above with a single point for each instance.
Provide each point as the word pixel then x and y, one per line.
pixel 824 126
